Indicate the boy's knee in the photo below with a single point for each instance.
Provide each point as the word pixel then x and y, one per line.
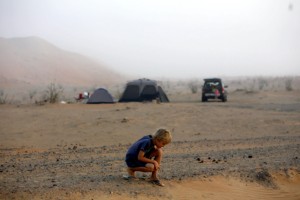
pixel 150 166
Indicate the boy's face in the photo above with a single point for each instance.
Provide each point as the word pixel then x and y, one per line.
pixel 159 144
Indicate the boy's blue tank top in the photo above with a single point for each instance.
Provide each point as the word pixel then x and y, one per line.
pixel 144 144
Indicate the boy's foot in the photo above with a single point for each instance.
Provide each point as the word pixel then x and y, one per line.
pixel 128 177
pixel 130 172
pixel 157 182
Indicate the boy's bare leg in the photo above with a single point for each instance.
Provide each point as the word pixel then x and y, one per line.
pixel 131 171
pixel 154 177
pixel 158 156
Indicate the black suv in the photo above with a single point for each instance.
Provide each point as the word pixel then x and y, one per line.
pixel 213 88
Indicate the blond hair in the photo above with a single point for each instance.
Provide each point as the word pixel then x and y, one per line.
pixel 163 135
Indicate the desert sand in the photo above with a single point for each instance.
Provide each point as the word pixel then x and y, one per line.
pixel 246 148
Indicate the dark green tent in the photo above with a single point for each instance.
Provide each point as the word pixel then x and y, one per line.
pixel 143 90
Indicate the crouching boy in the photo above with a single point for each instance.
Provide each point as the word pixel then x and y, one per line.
pixel 145 155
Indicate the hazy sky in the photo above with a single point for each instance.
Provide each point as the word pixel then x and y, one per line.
pixel 167 38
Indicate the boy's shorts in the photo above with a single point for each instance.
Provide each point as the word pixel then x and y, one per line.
pixel 136 163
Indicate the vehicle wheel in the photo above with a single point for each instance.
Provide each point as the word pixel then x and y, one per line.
pixel 224 99
pixel 204 99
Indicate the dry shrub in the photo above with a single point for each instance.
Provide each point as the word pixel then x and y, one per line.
pixel 193 86
pixel 262 83
pixel 288 84
pixel 53 93
pixel 3 97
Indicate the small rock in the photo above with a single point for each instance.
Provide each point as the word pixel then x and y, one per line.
pixel 124 120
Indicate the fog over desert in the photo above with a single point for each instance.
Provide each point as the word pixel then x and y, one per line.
pixel 245 148
pixel 58 56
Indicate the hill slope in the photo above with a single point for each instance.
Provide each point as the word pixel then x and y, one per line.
pixel 33 61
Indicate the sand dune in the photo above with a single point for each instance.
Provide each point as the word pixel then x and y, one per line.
pixel 33 62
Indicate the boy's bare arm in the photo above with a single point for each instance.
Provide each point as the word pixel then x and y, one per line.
pixel 141 157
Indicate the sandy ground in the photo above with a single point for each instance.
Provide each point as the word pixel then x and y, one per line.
pixel 246 148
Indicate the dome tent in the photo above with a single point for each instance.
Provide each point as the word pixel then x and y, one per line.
pixel 100 95
pixel 143 90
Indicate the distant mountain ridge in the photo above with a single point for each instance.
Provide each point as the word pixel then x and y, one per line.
pixel 34 61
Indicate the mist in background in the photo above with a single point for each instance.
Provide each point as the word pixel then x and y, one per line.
pixel 167 38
